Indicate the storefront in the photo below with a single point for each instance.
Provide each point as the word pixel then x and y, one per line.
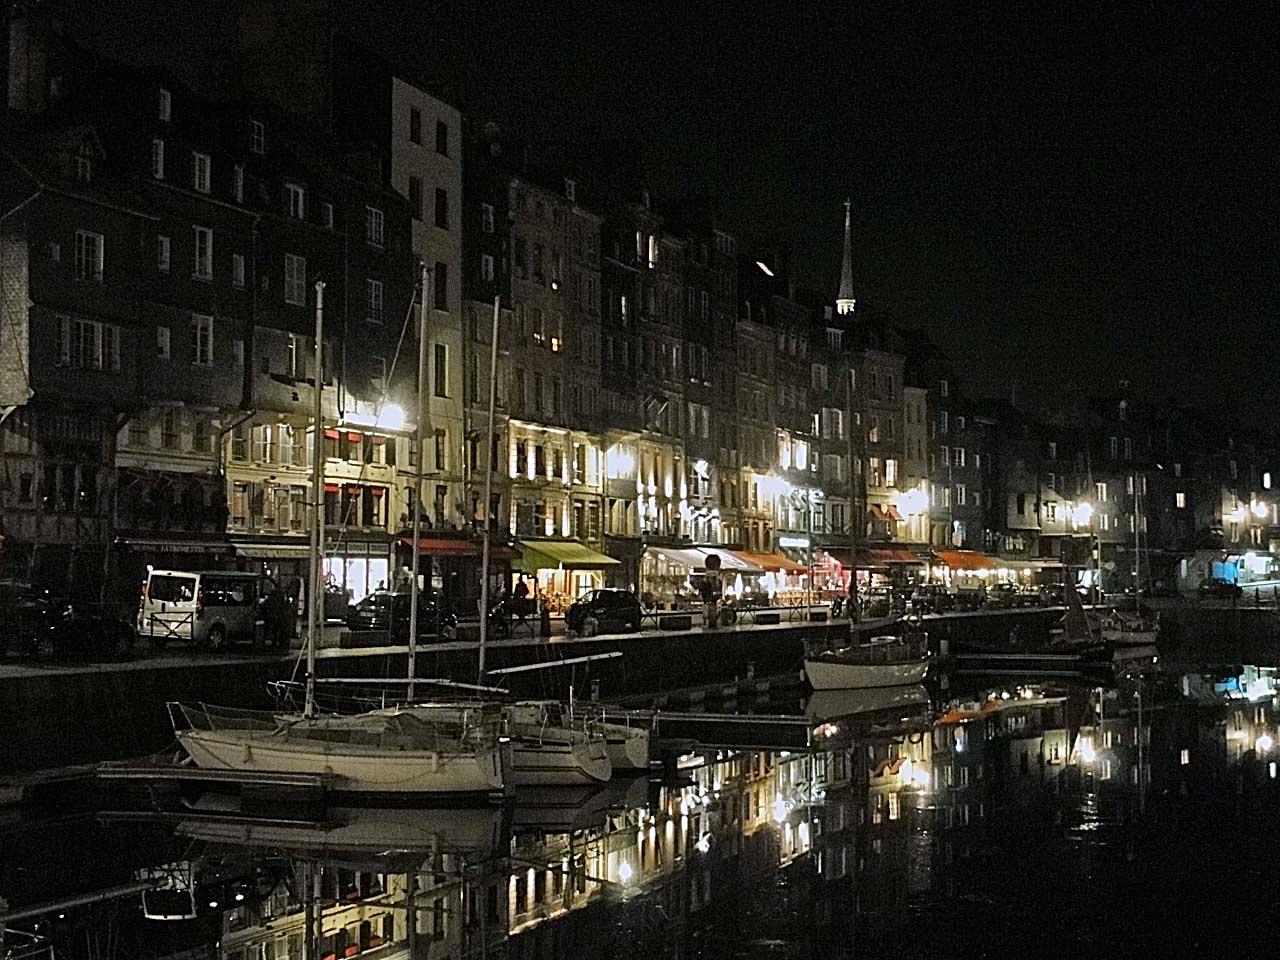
pixel 668 576
pixel 784 580
pixel 449 566
pixel 563 570
pixel 963 569
pixel 136 551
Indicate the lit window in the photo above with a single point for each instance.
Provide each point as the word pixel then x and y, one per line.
pixel 1266 481
pixel 1185 757
pixel 1180 500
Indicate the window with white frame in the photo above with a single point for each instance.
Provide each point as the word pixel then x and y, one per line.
pixel 157 158
pixel 373 226
pixel 961 495
pixel 162 254
pixel 959 456
pixel 1180 500
pixel 373 300
pixel 88 345
pixel 237 269
pixel 201 340
pixel 1100 491
pixel 89 256
pixel 257 137
pixel 164 104
pixel 486 266
pixel 204 253
pixel 296 358
pixel 295 200
pixel 295 279
pixel 200 166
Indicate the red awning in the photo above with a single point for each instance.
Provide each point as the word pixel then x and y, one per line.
pixel 330 488
pixel 331 434
pixel 892 513
pixel 378 491
pixel 965 560
pixel 770 561
pixel 355 437
pixel 876 512
pixel 456 547
pixel 883 556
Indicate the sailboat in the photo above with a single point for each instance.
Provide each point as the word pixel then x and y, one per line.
pixel 1133 628
pixel 390 751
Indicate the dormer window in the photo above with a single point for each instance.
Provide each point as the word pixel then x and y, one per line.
pixel 570 190
pixel 157 158
pixel 164 104
pixel 257 137
pixel 295 200
pixel 84 166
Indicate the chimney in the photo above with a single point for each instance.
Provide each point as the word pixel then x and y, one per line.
pixel 29 30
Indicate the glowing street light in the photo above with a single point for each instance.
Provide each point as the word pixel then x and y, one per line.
pixel 1082 515
pixel 1265 743
pixel 624 872
pixel 1260 510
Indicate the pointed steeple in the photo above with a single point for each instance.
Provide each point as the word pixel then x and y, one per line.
pixel 845 301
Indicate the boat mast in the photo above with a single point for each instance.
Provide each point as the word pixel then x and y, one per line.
pixel 1137 544
pixel 419 430
pixel 488 494
pixel 316 606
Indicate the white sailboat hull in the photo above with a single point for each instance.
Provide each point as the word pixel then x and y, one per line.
pixel 552 761
pixel 481 772
pixel 832 674
pixel 1130 638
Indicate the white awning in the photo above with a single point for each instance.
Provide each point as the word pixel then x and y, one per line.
pixel 730 562
pixel 685 556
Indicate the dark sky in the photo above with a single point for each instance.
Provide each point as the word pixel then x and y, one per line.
pixel 1063 199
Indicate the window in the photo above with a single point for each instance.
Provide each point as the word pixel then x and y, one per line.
pixel 257 137
pixel 237 269
pixel 959 456
pixel 486 218
pixel 373 225
pixel 373 301
pixel 1232 469
pixel 1180 500
pixel 162 343
pixel 1053 451
pixel 442 208
pixel 89 256
pixel 890 473
pixel 169 429
pixel 415 125
pixel 1128 448
pixel 486 267
pixel 326 214
pixel 960 423
pixel 570 190
pixel 944 388
pixel 88 345
pixel 1113 446
pixel 442 450
pixel 415 197
pixel 441 279
pixel 201 340
pixel 295 279
pixel 157 158
pixel 442 138
pixel 296 362
pixel 1266 480
pixel 200 171
pixel 239 183
pixel 961 492
pixel 204 253
pixel 441 370
pixel 295 201
pixel 162 254
pixel 1100 491
pixel 943 422
pixel 165 104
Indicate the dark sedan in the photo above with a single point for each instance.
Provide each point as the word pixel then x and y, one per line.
pixel 603 611
pixel 81 632
pixel 1218 588
pixel 387 612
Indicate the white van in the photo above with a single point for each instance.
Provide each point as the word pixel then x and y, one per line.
pixel 213 608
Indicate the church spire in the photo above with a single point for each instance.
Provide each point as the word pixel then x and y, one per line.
pixel 845 301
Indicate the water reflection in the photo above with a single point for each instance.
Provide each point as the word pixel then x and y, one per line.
pixel 916 826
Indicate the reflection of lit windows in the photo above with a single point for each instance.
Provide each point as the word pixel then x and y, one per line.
pixel 1185 757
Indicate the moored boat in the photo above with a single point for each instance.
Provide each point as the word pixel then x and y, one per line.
pixel 887 661
pixel 382 752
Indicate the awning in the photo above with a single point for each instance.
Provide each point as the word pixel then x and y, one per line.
pixel 887 556
pixel 685 556
pixel 560 555
pixel 891 512
pixel 876 512
pixel 730 562
pixel 771 561
pixel 965 560
pixel 457 547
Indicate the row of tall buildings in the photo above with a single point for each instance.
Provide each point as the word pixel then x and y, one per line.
pixel 660 385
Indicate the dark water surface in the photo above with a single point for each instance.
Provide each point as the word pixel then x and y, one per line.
pixel 1051 820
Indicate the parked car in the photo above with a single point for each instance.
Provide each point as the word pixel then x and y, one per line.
pixel 24 610
pixel 875 603
pixel 931 598
pixel 1009 596
pixel 211 608
pixel 387 612
pixel 76 631
pixel 1218 588
pixel 603 611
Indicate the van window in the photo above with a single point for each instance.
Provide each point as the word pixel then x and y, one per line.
pixel 171 589
pixel 229 591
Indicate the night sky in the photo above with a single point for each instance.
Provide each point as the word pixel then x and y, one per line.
pixel 1063 201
